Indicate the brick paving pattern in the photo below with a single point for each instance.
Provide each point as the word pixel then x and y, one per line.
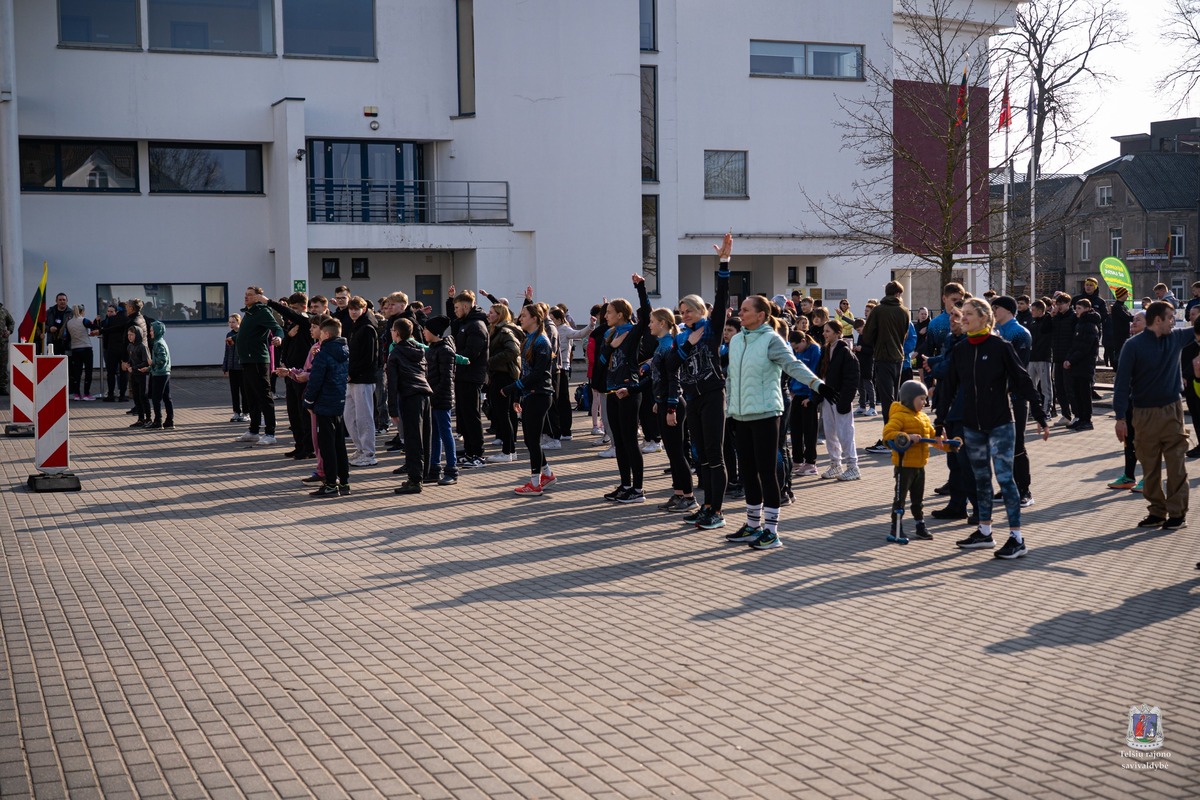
pixel 192 624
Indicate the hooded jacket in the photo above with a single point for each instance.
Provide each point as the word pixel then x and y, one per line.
pixel 902 419
pixel 136 353
pixel 470 340
pixel 1062 335
pixel 440 360
pixel 406 374
pixel 138 320
pixel 363 342
pixel 1085 345
pixel 886 330
pixel 840 369
pixel 700 364
pixel 112 333
pixel 160 354
pixel 537 364
pixel 325 392
pixel 504 354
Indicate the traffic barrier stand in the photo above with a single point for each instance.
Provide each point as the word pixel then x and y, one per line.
pixel 52 428
pixel 20 388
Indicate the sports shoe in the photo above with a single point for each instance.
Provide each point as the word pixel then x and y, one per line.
pixel 502 458
pixel 393 446
pixel 808 469
pixel 786 498
pixel 976 541
pixel 744 534
pixel 735 490
pixel 614 494
pixel 529 489
pixel 652 447
pixel 248 437
pixel 678 503
pixel 879 448
pixel 325 490
pixel 922 533
pixel 447 480
pixel 597 431
pixel 945 490
pixel 833 471
pixel 408 487
pixel 1174 523
pixel 76 397
pixel 364 461
pixel 497 442
pixel 155 425
pixel 1152 521
pixel 606 440
pixel 696 515
pixel 1063 421
pixel 947 513
pixel 1139 486
pixel 548 480
pixel 472 463
pixel 767 540
pixel 711 521
pixel 632 496
pixel 1012 549
pixel 87 398
pixel 552 444
pixel 169 425
pixel 610 452
pixel 266 439
pixel 1027 500
pixel 343 489
pixel 1079 427
pixel 861 411
pixel 871 412
pixel 849 474
pixel 140 423
pixel 796 467
pixel 1122 481
pixel 314 478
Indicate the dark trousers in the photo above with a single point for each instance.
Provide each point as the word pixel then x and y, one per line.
pixel 706 424
pixel 1021 473
pixel 1130 447
pixel 910 483
pixel 235 390
pixel 1062 389
pixel 137 390
pixel 534 409
pixel 962 476
pixel 731 453
pixel 651 430
pixel 804 430
pixel 256 390
pixel 468 415
pixel 79 370
pixel 160 396
pixel 1081 395
pixel 1193 407
pixel 118 381
pixel 504 416
pixel 551 427
pixel 623 424
pixel 758 453
pixel 414 415
pixel 562 402
pixel 297 417
pixel 672 436
pixel 332 443
pixel 887 385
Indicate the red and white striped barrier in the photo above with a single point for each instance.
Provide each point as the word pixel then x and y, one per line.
pixel 20 386
pixel 51 427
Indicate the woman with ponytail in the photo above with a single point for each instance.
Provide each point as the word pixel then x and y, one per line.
pixel 671 409
pixel 619 354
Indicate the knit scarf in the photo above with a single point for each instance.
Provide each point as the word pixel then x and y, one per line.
pixel 979 337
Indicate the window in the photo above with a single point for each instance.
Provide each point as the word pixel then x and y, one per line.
pixel 1178 242
pixel 359 268
pixel 648 25
pixel 806 60
pixel 78 166
pixel 465 17
pixel 1104 196
pixel 335 28
pixel 1085 246
pixel 1114 242
pixel 225 26
pixel 206 169
pixel 649 123
pixel 171 302
pixel 650 242
pixel 379 181
pixel 331 269
pixel 112 23
pixel 793 276
pixel 810 276
pixel 725 174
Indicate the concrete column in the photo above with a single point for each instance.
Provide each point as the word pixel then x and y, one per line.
pixel 12 253
pixel 287 190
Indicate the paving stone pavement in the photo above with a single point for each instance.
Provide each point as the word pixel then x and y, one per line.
pixel 192 624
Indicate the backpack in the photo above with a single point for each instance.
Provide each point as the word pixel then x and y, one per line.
pixel 583 397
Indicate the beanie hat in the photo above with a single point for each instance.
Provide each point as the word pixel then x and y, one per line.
pixel 438 325
pixel 911 390
pixel 1005 302
pixel 1121 293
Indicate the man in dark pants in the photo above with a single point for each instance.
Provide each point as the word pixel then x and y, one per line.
pixel 886 328
pixel 56 325
pixel 258 330
pixel 1081 363
pixel 113 344
pixel 469 328
pixel 297 341
pixel 1062 336
pixel 1005 308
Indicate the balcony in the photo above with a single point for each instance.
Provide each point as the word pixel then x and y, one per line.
pixel 370 202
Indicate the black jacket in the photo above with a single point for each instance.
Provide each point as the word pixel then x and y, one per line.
pixel 364 342
pixel 297 335
pixel 987 372
pixel 112 333
pixel 504 354
pixel 1042 330
pixel 664 376
pixel 599 378
pixel 1062 335
pixel 840 369
pixel 1121 320
pixel 470 340
pixel 1099 305
pixel 537 376
pixel 406 374
pixel 440 370
pixel 1085 346
pixel 622 359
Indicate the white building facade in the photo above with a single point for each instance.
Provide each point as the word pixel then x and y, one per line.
pixel 180 150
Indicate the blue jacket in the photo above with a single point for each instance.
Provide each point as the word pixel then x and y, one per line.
pixel 325 393
pixel 811 357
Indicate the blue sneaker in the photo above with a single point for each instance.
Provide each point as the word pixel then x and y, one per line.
pixel 766 540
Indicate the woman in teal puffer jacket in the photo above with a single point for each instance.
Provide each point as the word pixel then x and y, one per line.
pixel 757 358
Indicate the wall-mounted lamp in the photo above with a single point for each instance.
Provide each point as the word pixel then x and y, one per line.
pixel 300 154
pixel 374 124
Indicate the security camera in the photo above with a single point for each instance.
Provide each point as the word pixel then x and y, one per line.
pixel 300 154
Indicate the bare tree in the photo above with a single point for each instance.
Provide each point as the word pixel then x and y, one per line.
pixel 1183 29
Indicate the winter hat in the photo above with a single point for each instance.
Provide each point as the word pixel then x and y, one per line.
pixel 1121 293
pixel 911 390
pixel 438 325
pixel 1005 302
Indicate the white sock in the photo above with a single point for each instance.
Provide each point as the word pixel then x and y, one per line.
pixel 986 529
pixel 754 515
pixel 546 470
pixel 771 520
pixel 1016 534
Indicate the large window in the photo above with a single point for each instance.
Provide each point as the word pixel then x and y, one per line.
pixel 171 302
pixel 649 123
pixel 111 23
pixel 650 242
pixel 353 181
pixel 226 26
pixel 465 20
pixel 334 28
pixel 648 26
pixel 725 174
pixel 208 169
pixel 78 166
pixel 806 60
pixel 1114 242
pixel 1178 241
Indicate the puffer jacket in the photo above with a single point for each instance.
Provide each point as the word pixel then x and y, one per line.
pixel 406 374
pixel 756 359
pixel 840 369
pixel 470 340
pixel 1085 345
pixel 902 419
pixel 440 359
pixel 811 356
pixel 137 353
pixel 504 353
pixel 325 392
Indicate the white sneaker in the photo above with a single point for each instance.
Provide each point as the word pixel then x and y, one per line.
pixel 267 439
pixel 606 440
pixel 849 474
pixel 243 418
pixel 808 469
pixel 236 418
pixel 871 411
pixel 1064 420
pixel 501 458
pixel 833 471
pixel 552 444
pixel 248 437
pixel 820 440
pixel 652 447
pixel 610 452
pixel 497 443
pixel 597 431
pixel 365 461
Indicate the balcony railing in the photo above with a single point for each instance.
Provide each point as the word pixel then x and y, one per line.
pixel 408 202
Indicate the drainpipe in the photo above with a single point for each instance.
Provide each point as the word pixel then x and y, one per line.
pixel 12 253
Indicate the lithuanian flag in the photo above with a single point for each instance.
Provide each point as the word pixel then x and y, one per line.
pixel 35 318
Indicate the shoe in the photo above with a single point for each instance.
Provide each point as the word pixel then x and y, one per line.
pixel 1063 421
pixel 314 478
pixel 502 458
pixel 860 412
pixel 473 463
pixel 108 398
pixel 711 521
pixel 832 472
pixel 1194 452
pixel 290 453
pixel 610 452
pixel 606 440
pixel 735 490
pixel 305 455
pixel 76 397
pixel 695 515
pixel 614 494
pixel 393 447
pixel 325 490
pixel 566 437
pixel 786 498
pixel 1138 487
pixel 141 423
pixel 131 411
pixel 922 533
pixel 1012 549
pixel 799 465
pixel 597 431
pixel 266 439
pixel 343 489
pixel 408 487
pixel 1026 500
pixel 552 444
pixel 879 448
pixel 678 503
pixel 652 447
pixel 155 425
pixel 767 540
pixel 87 398
pixel 248 437
pixel 364 461
pixel 548 480
pixel 820 440
pixel 497 442
pixel 849 474
pixel 400 471
pixel 1122 482
pixel 744 534
pixel 1174 523
pixel 123 399
pixel 945 490
pixel 948 513
pixel 976 541
pixel 1079 427
pixel 529 489
pixel 973 519
pixel 1152 521
pixel 998 496
pixel 871 411
pixel 632 496
pixel 169 425
pixel 808 469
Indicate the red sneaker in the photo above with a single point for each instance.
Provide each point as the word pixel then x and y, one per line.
pixel 529 489
pixel 547 480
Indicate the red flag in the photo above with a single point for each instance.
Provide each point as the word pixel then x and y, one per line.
pixel 960 107
pixel 31 327
pixel 1005 109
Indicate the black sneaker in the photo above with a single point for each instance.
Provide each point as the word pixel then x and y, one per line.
pixel 632 496
pixel 672 503
pixel 155 425
pixel 879 448
pixel 1174 523
pixel 394 446
pixel 1083 426
pixel 131 412
pixel 948 513
pixel 1027 500
pixel 615 494
pixel 697 514
pixel 169 425
pixel 921 532
pixel 1152 521
pixel 1194 452
pixel 711 521
pixel 475 462
pixel 447 480
pixel 945 490
pixel 976 541
pixel 408 487
pixel 343 489
pixel 1012 549
pixel 290 454
pixel 325 490
pixel 998 496
pixel 686 504
pixel 141 423
pixel 744 534
pixel 314 478
pixel 973 519
pixel 735 490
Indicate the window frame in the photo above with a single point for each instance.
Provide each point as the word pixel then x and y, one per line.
pixel 1180 250
pixel 653 48
pixel 271 53
pixel 653 152
pixel 326 275
pixel 58 167
pixel 1085 246
pixel 810 276
pixel 209 146
pixel 204 287
pixel 365 273
pixel 1104 195
pixel 745 177
pixel 465 109
pixel 860 72
pixel 137 31
pixel 1115 241
pixel 283 51
pixel 652 276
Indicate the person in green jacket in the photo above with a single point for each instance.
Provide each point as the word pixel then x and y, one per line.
pixel 757 357
pixel 160 377
pixel 259 330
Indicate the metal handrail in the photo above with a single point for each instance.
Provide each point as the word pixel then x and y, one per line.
pixel 408 202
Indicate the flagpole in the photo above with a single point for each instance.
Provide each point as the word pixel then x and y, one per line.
pixel 1033 170
pixel 1006 109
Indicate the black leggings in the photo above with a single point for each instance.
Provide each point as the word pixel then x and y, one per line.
pixel 160 396
pixel 804 430
pixel 651 429
pixel 79 365
pixel 534 409
pixel 235 389
pixel 672 436
pixel 503 415
pixel 758 452
pixel 706 424
pixel 623 421
pixel 730 449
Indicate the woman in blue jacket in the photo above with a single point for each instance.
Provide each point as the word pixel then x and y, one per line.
pixel 620 354
pixel 534 393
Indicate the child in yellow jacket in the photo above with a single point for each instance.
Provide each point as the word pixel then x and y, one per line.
pixel 906 417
